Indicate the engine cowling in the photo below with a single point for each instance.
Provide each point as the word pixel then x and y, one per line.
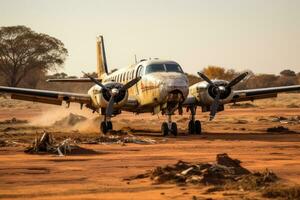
pixel 101 96
pixel 206 93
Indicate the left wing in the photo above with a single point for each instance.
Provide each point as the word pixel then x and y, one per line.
pixel 46 96
pixel 261 93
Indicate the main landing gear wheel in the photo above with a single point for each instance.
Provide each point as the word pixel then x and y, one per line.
pixel 191 127
pixel 105 126
pixel 109 125
pixel 164 129
pixel 174 128
pixel 194 127
pixel 197 127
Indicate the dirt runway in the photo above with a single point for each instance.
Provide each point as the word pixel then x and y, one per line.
pixel 100 173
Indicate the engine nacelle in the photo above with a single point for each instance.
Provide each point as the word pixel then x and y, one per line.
pixel 100 97
pixel 205 93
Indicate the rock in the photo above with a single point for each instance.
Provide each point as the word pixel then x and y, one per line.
pixel 278 129
pixel 14 121
pixel 225 160
pixel 3 143
pixel 240 121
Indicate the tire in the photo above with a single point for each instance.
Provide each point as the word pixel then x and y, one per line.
pixel 191 127
pixel 164 129
pixel 109 125
pixel 198 127
pixel 174 128
pixel 103 128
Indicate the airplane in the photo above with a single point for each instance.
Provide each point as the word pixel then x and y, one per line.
pixel 149 86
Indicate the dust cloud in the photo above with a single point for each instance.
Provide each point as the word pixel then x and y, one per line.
pixel 51 116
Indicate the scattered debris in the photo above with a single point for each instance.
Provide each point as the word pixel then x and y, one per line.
pixel 287 120
pixel 293 105
pixel 3 143
pixel 120 139
pixel 9 143
pixel 241 121
pixel 226 173
pixel 47 144
pixel 282 192
pixel 70 120
pixel 7 129
pixel 279 129
pixel 13 121
pixel 242 105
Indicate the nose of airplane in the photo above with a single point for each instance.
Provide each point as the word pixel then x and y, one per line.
pixel 174 88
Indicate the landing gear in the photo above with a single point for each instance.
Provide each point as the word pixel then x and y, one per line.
pixel 169 127
pixel 194 126
pixel 106 125
pixel 165 129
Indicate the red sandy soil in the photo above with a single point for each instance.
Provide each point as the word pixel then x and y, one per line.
pixel 100 175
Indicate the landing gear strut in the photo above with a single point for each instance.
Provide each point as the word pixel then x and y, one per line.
pixel 194 125
pixel 169 127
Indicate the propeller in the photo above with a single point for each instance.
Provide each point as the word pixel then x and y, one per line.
pixel 220 90
pixel 113 91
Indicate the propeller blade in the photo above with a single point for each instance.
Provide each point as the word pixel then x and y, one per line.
pixel 95 80
pixel 131 83
pixel 214 107
pixel 204 77
pixel 109 109
pixel 237 79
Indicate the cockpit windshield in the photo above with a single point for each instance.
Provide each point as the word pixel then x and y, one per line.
pixel 173 68
pixel 163 68
pixel 155 68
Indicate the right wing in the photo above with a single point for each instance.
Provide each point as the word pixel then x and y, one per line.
pixel 46 96
pixel 261 93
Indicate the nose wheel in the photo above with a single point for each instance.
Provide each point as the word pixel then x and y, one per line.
pixel 194 126
pixel 169 127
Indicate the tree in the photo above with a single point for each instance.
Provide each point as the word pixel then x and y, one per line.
pixel 215 72
pixel 287 72
pixel 92 74
pixel 23 51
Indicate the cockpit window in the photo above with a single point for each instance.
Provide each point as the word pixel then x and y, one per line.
pixel 173 68
pixel 155 68
pixel 163 68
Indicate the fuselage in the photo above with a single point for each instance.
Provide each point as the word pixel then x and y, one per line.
pixel 162 81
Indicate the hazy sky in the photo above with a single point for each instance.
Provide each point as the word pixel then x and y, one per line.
pixel 261 35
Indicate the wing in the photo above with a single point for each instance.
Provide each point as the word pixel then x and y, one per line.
pixel 46 96
pixel 73 80
pixel 261 93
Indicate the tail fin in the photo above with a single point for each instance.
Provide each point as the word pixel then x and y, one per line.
pixel 101 57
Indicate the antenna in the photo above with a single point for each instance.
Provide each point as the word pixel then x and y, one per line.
pixel 135 59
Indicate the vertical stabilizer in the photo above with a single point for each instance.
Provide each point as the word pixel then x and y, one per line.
pixel 101 57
